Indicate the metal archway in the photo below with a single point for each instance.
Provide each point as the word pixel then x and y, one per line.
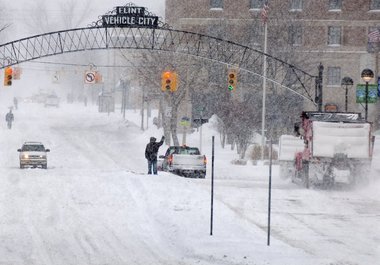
pixel 99 37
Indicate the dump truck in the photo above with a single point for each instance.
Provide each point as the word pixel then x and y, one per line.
pixel 338 148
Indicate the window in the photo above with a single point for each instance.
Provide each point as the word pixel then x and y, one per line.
pixel 335 4
pixel 257 4
pixel 295 35
pixel 375 5
pixel 296 5
pixel 335 35
pixel 216 3
pixel 333 76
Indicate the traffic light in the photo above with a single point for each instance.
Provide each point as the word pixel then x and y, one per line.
pixel 232 79
pixel 8 76
pixel 169 81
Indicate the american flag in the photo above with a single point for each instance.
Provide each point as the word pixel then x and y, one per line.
pixel 374 36
pixel 264 12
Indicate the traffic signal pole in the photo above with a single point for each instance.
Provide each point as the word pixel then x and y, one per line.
pixel 264 91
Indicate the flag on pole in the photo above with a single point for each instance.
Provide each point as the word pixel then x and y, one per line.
pixel 264 12
pixel 374 36
pixel 373 41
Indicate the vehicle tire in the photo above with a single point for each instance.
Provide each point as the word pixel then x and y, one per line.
pixel 21 166
pixel 202 175
pixel 44 166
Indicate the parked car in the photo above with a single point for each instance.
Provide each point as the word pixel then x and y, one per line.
pixel 33 154
pixel 184 160
pixel 52 101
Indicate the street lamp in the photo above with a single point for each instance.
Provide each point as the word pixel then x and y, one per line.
pixel 367 75
pixel 347 81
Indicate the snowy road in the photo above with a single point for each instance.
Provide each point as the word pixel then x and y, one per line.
pixel 89 207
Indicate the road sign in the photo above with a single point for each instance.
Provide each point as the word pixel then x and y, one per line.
pixel 200 121
pixel 89 77
pixel 168 112
pixel 185 121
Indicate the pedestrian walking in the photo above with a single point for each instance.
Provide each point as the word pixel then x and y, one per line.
pixel 151 151
pixel 9 118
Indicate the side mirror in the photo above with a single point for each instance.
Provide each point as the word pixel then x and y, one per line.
pixel 47 150
pixel 18 150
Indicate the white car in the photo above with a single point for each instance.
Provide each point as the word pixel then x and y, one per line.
pixel 33 154
pixel 52 101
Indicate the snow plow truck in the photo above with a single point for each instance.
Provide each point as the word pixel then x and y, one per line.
pixel 338 149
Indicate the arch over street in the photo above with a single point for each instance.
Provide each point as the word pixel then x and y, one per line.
pixel 159 38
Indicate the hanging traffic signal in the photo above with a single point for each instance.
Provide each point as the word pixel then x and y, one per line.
pixel 232 79
pixel 8 72
pixel 169 81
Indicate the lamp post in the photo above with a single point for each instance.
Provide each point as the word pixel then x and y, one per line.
pixel 367 75
pixel 347 81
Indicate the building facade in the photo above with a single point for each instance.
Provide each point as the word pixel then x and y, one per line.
pixel 342 35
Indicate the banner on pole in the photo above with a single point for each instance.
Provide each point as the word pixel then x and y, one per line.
pixel 372 93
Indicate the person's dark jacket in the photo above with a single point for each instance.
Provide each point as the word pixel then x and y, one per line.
pixel 151 149
pixel 9 117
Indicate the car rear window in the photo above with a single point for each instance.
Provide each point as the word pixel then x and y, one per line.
pixel 36 148
pixel 182 150
pixel 188 151
pixel 192 151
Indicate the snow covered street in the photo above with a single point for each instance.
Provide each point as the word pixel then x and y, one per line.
pixel 95 204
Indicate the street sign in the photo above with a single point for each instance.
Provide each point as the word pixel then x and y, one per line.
pixel 185 121
pixel 89 77
pixel 200 121
pixel 168 112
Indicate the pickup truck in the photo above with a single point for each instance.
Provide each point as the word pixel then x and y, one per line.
pixel 185 161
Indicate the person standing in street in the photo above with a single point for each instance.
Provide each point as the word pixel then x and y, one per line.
pixel 9 118
pixel 151 151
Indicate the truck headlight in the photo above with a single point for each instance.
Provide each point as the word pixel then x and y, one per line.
pixel 26 156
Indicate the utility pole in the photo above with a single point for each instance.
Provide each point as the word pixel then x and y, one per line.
pixel 187 100
pixel 264 90
pixel 142 108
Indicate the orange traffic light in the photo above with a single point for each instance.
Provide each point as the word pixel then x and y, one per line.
pixel 8 74
pixel 169 81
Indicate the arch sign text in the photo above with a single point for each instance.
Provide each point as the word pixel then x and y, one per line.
pixel 130 16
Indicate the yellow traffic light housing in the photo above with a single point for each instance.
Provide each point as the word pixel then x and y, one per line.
pixel 232 79
pixel 169 81
pixel 8 74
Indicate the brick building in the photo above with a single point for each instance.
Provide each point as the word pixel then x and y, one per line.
pixel 331 32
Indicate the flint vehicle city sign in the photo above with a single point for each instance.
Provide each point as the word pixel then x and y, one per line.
pixel 130 16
